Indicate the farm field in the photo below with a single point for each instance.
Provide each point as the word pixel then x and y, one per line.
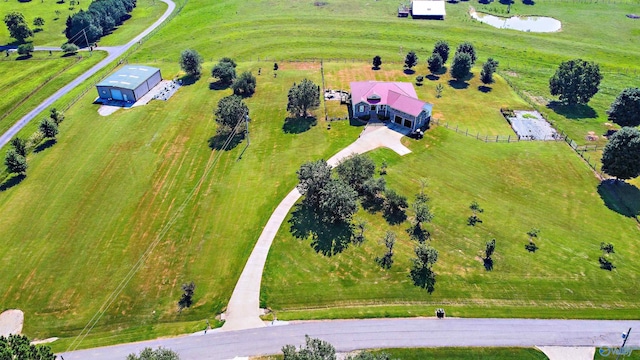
pixel 28 82
pixel 521 186
pixel 104 193
pixel 52 33
pixel 131 177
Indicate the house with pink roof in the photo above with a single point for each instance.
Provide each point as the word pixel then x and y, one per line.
pixel 396 101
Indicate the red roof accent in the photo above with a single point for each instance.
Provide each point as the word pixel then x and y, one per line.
pixel 399 95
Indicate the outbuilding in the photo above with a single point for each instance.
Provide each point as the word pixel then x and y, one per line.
pixel 129 83
pixel 429 9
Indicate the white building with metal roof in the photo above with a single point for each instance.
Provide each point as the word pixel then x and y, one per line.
pixel 129 83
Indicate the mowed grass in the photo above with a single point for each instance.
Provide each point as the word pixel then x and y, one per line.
pixel 347 30
pixel 52 33
pixel 462 104
pixel 451 354
pixel 28 82
pixel 465 353
pixel 521 186
pixel 125 177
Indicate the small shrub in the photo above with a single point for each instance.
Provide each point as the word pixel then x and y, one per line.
pixel 607 248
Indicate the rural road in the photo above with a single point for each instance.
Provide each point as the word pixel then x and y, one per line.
pixel 114 53
pixel 348 335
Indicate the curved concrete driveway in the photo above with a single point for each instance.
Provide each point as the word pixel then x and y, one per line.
pixel 349 335
pixel 114 53
pixel 243 310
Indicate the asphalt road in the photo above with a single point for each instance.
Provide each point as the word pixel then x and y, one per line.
pixel 114 53
pixel 348 335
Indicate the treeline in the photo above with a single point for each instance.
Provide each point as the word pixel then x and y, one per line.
pixel 102 16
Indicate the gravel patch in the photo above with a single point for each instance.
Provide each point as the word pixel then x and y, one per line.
pixel 11 322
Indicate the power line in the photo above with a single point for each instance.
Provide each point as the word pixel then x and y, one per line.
pixel 136 267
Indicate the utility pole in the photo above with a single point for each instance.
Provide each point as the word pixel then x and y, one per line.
pixel 625 337
pixel 87 40
pixel 246 121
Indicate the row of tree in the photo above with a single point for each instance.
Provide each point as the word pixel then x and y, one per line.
pixel 16 157
pixel 102 16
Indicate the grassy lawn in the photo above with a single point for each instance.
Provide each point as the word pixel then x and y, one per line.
pixel 345 30
pixel 452 354
pixel 54 24
pixel 28 82
pixel 52 33
pixel 466 354
pixel 520 186
pixel 125 176
pixel 461 104
pixel 94 202
pixel 145 13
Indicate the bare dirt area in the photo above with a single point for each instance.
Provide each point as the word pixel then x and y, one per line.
pixel 11 322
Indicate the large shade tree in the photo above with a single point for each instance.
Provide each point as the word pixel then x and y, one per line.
pixel 303 97
pixel 244 85
pixel 16 163
pixel 20 347
pixel 191 62
pixel 625 110
pixel 313 176
pixel 575 81
pixel 230 112
pixel 355 170
pixel 621 155
pixel 17 26
pixel 225 71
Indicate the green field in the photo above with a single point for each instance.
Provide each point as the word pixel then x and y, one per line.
pixel 122 184
pixel 28 82
pixel 52 33
pixel 95 201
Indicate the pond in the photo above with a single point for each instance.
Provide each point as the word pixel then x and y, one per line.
pixel 520 23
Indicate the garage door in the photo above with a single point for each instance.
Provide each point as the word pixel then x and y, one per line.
pixel 116 94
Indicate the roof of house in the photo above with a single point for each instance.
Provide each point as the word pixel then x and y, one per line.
pixel 129 76
pixel 399 95
pixel 428 8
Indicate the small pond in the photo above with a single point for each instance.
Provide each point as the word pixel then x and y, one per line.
pixel 521 23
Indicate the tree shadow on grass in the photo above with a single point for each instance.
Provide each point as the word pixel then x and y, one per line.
pixel 432 77
pixel 221 141
pixel 189 80
pixel 394 217
pixel 375 68
pixel 12 181
pixel 484 89
pixel 458 85
pixel 298 125
pixel 24 57
pixel 424 278
pixel 579 111
pixel 621 197
pixel 372 204
pixel 409 71
pixel 529 2
pixel 45 145
pixel 326 238
pixel 418 233
pixel 218 85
